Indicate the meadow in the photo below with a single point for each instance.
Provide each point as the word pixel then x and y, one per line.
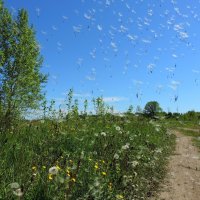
pixel 128 51
pixel 76 157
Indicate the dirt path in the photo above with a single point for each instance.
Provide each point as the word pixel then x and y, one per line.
pixel 183 179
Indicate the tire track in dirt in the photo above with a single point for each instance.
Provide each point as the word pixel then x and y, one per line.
pixel 183 178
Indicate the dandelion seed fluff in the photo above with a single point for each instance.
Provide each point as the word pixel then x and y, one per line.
pixel 118 128
pixel 14 186
pixel 126 146
pixel 116 156
pixel 18 192
pixel 103 134
pixel 53 170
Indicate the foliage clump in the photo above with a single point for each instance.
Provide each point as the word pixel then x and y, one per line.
pixel 20 61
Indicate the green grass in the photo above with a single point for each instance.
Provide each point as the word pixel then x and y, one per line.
pixel 97 157
pixel 174 123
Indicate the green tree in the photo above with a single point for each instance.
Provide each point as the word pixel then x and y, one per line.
pixel 152 108
pixel 130 110
pixel 21 81
pixel 191 115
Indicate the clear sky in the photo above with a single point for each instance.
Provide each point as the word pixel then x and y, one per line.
pixel 128 51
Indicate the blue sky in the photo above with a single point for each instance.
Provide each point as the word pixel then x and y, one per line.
pixel 129 52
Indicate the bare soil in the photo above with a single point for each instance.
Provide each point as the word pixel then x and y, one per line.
pixel 183 178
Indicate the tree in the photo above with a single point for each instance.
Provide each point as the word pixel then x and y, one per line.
pixel 191 115
pixel 152 108
pixel 21 81
pixel 130 110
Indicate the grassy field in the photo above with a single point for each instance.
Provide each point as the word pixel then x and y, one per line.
pixel 88 157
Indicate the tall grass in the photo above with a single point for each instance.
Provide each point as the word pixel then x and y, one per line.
pixel 98 157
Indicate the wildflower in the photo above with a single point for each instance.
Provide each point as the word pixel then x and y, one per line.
pixel 157 129
pixel 103 161
pixel 18 192
pixel 119 196
pixel 43 167
pixel 96 134
pixel 126 146
pixel 34 168
pixel 73 179
pixel 158 150
pixel 50 177
pixel 103 134
pixel 104 173
pixel 34 174
pixel 14 186
pixel 117 128
pixel 135 173
pixel 116 156
pixel 134 163
pixel 16 189
pixel 110 186
pixel 68 172
pixel 58 168
pixel 53 170
pixel 96 166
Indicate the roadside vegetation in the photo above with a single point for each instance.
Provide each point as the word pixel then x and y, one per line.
pixel 81 156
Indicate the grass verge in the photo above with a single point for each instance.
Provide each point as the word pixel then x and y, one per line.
pixel 91 157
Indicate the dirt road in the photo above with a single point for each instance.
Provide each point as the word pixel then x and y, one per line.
pixel 183 178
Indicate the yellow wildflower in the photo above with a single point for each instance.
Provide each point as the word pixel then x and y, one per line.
pixel 73 179
pixel 34 168
pixel 96 166
pixel 119 196
pixel 50 177
pixel 58 168
pixel 104 173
